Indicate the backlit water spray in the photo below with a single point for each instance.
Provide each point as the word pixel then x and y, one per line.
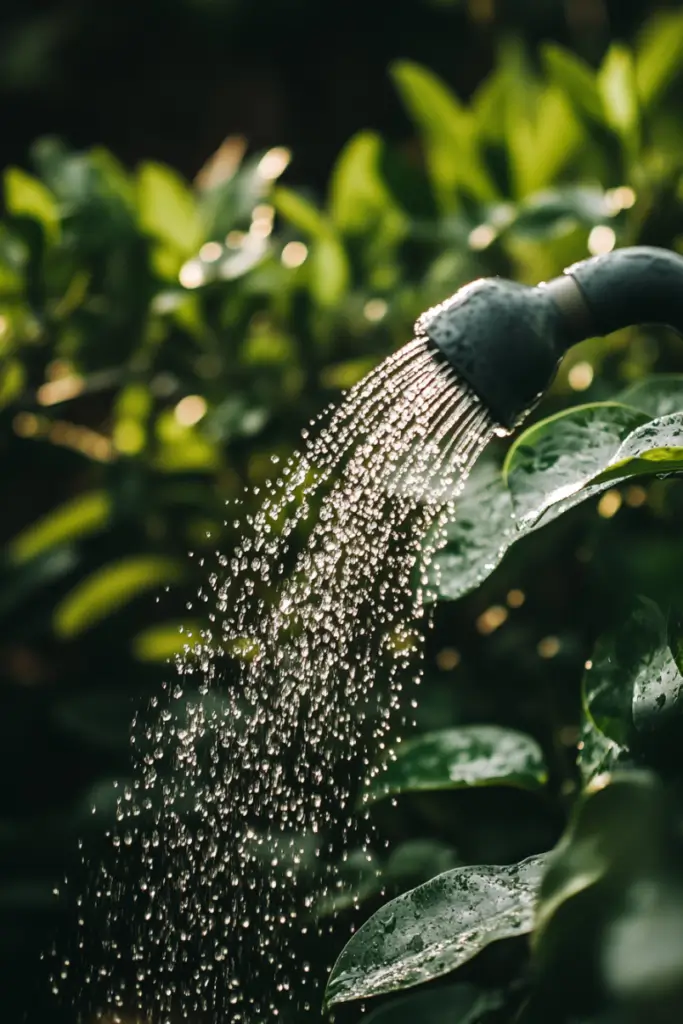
pixel 249 766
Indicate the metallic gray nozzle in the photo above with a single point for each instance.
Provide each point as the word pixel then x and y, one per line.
pixel 506 340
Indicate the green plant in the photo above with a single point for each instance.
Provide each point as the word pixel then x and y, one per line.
pixel 161 342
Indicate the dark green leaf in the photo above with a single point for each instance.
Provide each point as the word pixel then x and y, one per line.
pixel 453 1004
pixel 433 929
pixel 474 755
pixel 658 395
pixel 556 458
pixel 476 543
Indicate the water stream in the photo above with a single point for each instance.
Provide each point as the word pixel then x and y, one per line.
pixel 241 807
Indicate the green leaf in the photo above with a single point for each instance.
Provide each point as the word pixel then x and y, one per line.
pixel 167 207
pixel 84 515
pixel 556 458
pixel 614 828
pixel 576 78
pixel 435 928
pixel 632 688
pixel 472 755
pixel 597 753
pixel 655 447
pixel 451 1004
pixel 161 643
pixel 109 589
pixel 657 395
pixel 542 145
pixel 475 543
pixel 358 196
pixel 327 266
pixel 329 271
pixel 12 381
pixel 659 55
pixel 26 196
pixel 617 85
pixel 449 133
pixel 612 898
pixel 301 213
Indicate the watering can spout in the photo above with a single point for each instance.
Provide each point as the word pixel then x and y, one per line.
pixel 506 340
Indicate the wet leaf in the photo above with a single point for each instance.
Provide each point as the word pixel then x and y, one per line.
pixel 110 588
pixel 476 543
pixel 452 1004
pixel 431 930
pixel 655 447
pixel 658 395
pixel 473 755
pixel 556 458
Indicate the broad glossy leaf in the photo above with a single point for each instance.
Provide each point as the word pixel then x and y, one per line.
pixel 472 755
pixel 659 54
pixel 634 682
pixel 614 823
pixel 597 753
pixel 612 896
pixel 110 588
pixel 576 78
pixel 655 447
pixel 658 395
pixel 435 928
pixel 556 458
pixel 476 543
pixel 83 515
pixel 452 1004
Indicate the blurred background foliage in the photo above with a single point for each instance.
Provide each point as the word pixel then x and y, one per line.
pixel 180 294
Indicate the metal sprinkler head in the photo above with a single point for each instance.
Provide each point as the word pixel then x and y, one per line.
pixel 506 339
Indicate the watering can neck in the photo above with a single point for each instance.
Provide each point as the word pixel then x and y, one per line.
pixel 639 285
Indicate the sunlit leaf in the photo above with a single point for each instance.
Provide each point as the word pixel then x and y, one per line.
pixel 27 196
pixel 448 130
pixel 162 642
pixel 109 589
pixel 12 380
pixel 556 458
pixel 435 928
pixel 358 196
pixel 78 518
pixel 471 755
pixel 617 85
pixel 167 207
pixel 659 54
pixel 576 78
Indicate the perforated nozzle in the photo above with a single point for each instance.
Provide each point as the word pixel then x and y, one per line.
pixel 506 340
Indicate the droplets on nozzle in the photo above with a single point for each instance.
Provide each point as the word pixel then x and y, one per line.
pixel 247 770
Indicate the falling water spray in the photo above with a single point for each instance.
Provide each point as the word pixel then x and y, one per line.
pixel 246 790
